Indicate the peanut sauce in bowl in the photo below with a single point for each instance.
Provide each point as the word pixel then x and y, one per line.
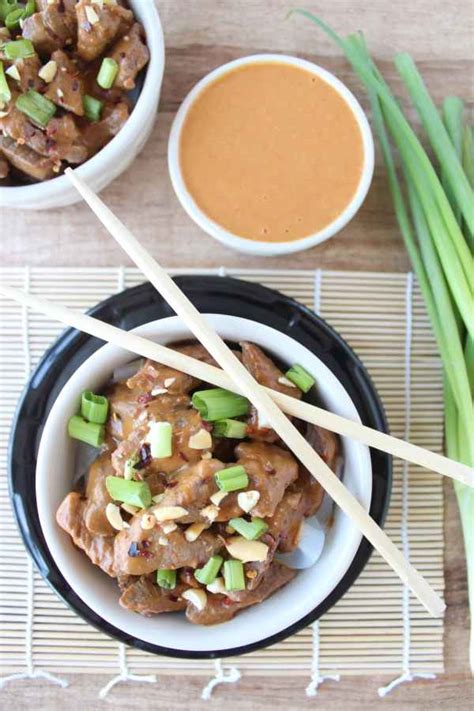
pixel 270 154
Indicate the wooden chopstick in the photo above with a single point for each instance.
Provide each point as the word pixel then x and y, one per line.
pixel 265 406
pixel 210 374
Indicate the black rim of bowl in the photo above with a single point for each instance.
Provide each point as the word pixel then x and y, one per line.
pixel 134 307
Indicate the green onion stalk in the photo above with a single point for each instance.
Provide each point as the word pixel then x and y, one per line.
pixel 434 205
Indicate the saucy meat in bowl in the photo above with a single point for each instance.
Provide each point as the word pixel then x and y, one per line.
pixel 66 70
pixel 192 497
pixel 60 463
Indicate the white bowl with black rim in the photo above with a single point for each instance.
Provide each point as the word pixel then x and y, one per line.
pixel 114 158
pixel 282 613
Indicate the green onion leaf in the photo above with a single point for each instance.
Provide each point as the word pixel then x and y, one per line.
pixel 94 408
pixel 12 20
pixel 251 530
pixel 208 573
pixel 166 578
pixel 219 404
pixel 7 6
pixel 19 49
pixel 107 73
pixel 160 438
pixel 300 377
pixel 233 429
pixel 37 107
pixel 88 432
pixel 92 107
pixel 136 493
pixel 5 93
pixel 234 575
pixel 232 478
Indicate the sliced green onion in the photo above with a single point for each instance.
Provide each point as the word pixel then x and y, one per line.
pixel 300 377
pixel 5 93
pixel 94 408
pixel 88 432
pixel 136 493
pixel 160 438
pixel 19 49
pixel 12 20
pixel 7 6
pixel 166 578
pixel 232 478
pixel 107 73
pixel 92 107
pixel 251 530
pixel 37 107
pixel 219 404
pixel 234 429
pixel 29 10
pixel 234 575
pixel 208 573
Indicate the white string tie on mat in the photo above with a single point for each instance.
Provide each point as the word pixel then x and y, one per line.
pixel 221 677
pixel 407 674
pixel 125 675
pixel 31 672
pixel 316 677
pixel 222 271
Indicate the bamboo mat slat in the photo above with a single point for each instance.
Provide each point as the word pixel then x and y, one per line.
pixel 377 627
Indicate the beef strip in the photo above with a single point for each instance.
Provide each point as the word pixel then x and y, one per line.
pixel 325 443
pixel 270 470
pixel 92 39
pixel 268 374
pixel 220 608
pixel 60 20
pixel 65 140
pixel 131 55
pixel 98 497
pixel 44 40
pixel 100 549
pixel 255 571
pixel 98 133
pixel 123 409
pixel 26 160
pixel 185 422
pixel 153 375
pixel 192 487
pixel 28 68
pixel 138 551
pixel 15 125
pixel 66 89
pixel 143 595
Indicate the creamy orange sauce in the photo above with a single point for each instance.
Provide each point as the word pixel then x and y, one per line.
pixel 271 152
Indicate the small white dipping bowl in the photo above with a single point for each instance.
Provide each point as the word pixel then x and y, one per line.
pixel 251 246
pixel 119 153
pixel 55 473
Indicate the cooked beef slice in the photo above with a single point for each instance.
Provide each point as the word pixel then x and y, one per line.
pixel 143 595
pixel 100 549
pixel 66 88
pixel 92 39
pixel 97 497
pixel 131 55
pixel 98 133
pixel 26 160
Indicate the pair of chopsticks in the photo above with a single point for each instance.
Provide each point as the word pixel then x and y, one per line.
pixel 234 376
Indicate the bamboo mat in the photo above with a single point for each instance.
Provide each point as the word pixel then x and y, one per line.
pixel 378 627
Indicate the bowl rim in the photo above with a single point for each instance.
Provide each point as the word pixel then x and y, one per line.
pixel 51 189
pixel 251 246
pixel 369 401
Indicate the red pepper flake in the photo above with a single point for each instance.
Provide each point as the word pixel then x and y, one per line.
pixel 227 601
pixel 269 469
pixel 144 398
pixel 145 457
pixel 208 426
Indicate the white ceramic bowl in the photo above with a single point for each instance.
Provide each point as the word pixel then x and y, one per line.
pixel 55 471
pixel 119 153
pixel 250 246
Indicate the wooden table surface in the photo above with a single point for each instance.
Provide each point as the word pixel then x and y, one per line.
pixel 200 35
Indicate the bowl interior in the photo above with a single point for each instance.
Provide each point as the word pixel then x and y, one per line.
pixel 251 246
pixel 56 461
